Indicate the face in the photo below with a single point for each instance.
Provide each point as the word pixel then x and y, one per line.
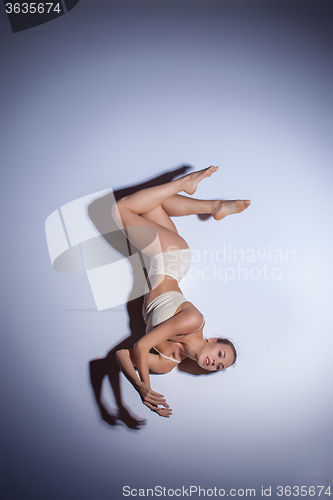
pixel 216 355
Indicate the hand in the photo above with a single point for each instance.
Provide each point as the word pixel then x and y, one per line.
pixel 153 399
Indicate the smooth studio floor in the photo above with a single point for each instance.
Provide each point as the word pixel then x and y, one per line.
pixel 110 96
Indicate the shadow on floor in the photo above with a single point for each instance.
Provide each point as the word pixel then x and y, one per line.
pixel 99 212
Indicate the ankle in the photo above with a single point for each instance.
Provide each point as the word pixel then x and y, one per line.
pixel 183 183
pixel 214 205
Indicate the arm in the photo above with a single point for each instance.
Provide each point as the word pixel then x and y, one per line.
pixel 185 322
pixel 150 398
pixel 124 358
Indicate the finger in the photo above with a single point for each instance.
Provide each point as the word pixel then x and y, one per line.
pixel 156 393
pixel 156 396
pixel 151 407
pixel 165 404
pixel 155 400
pixel 163 412
pixel 161 402
pixel 158 402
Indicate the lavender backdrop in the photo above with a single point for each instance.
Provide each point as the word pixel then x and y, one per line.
pixel 113 94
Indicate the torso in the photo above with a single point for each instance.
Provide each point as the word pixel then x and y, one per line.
pixel 173 346
pixel 167 285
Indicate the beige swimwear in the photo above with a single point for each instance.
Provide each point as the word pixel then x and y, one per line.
pixel 174 264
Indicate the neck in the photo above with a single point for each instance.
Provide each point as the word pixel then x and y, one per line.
pixel 192 346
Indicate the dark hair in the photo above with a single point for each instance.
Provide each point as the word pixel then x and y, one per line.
pixel 228 342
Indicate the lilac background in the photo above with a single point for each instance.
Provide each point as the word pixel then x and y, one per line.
pixel 110 95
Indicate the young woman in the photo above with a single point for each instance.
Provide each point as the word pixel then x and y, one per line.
pixel 174 325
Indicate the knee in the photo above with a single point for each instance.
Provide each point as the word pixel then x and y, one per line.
pixel 122 203
pixel 116 211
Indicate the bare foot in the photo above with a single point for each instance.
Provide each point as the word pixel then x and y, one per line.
pixel 191 181
pixel 229 207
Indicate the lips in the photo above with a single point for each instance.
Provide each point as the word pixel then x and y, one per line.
pixel 207 361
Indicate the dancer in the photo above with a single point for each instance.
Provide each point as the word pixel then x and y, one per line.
pixel 174 325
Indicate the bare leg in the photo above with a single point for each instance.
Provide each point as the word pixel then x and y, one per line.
pixel 179 205
pixel 158 203
pixel 136 211
pixel 147 200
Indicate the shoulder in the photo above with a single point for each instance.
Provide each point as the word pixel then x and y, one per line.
pixel 194 317
pixel 186 321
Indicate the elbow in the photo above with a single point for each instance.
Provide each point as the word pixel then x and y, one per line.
pixel 140 347
pixel 121 353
